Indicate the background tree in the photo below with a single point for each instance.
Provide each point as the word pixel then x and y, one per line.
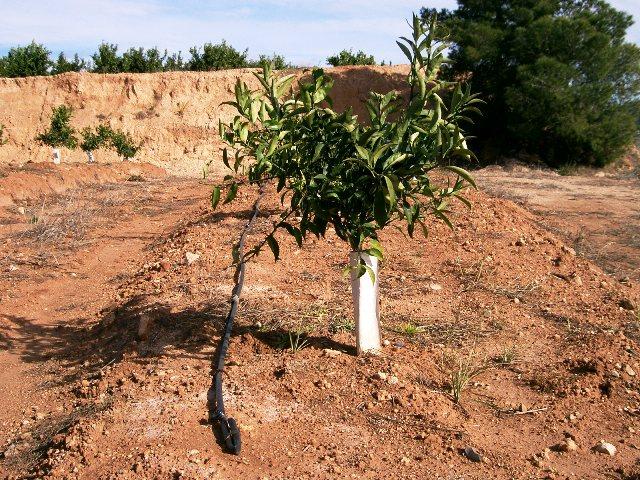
pixel 139 60
pixel 216 57
pixel 92 139
pixel 60 132
pixel 560 80
pixel 174 62
pixel 106 59
pixel 122 143
pixel 26 61
pixel 347 57
pixel 278 62
pixel 62 65
pixel 331 169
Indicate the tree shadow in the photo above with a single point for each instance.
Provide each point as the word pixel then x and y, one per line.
pixel 83 347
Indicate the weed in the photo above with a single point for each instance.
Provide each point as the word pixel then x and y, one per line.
pixel 568 169
pixel 410 329
pixel 292 341
pixel 508 356
pixel 461 369
pixel 342 324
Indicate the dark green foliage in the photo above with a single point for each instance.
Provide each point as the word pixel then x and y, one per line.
pixel 94 139
pixel 63 65
pixel 106 59
pixel 331 169
pixel 347 57
pixel 26 61
pixel 216 57
pixel 34 60
pixel 277 62
pixel 560 80
pixel 105 136
pixel 139 60
pixel 123 144
pixel 60 133
pixel 174 62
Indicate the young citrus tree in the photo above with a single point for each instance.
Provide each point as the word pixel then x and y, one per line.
pixel 332 170
pixel 122 143
pixel 60 132
pixel 92 140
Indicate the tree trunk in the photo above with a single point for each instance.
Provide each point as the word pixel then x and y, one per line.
pixel 56 156
pixel 366 304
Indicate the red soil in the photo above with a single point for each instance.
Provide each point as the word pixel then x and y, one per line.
pixel 84 396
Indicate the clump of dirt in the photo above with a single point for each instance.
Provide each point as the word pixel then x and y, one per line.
pixel 538 344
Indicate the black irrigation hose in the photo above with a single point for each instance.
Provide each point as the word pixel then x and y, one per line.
pixel 228 427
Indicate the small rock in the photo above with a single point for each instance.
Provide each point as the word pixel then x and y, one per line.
pixel 567 445
pixel 382 376
pixel 569 250
pixel 629 371
pixel 328 352
pixel 165 265
pixel 386 343
pixel 606 448
pixel 436 287
pixel 577 280
pixel 392 380
pixel 521 242
pixel 627 304
pixel 191 257
pixel 21 210
pixel 472 455
pixel 382 395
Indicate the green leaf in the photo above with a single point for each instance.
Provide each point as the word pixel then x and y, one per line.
pixel 380 208
pixel 273 245
pixel 371 273
pixel 294 232
pixel 375 253
pixel 462 173
pixel 231 194
pixel 391 191
pixel 225 158
pixel 406 51
pixel 363 153
pixel 215 197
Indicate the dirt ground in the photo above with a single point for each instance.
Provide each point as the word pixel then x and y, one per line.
pixel 542 340
pixel 597 212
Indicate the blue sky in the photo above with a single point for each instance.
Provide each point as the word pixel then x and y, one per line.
pixel 305 31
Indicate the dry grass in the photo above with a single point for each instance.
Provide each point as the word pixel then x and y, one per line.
pixel 461 369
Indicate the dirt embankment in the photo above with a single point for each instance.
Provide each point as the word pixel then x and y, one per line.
pixel 174 114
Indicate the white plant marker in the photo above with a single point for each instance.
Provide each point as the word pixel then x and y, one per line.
pixel 366 304
pixel 56 156
pixel 90 156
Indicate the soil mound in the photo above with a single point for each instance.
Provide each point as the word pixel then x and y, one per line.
pixel 33 180
pixel 174 114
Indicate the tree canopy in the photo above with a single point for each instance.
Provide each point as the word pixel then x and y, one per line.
pixel 559 78
pixel 347 57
